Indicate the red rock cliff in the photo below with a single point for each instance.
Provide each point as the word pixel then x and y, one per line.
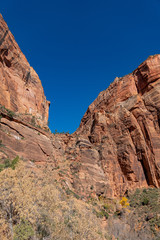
pixel 21 89
pixel 115 149
pixel 123 128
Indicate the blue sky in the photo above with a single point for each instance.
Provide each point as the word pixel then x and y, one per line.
pixel 79 47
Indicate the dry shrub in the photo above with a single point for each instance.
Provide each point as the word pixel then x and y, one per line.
pixel 32 197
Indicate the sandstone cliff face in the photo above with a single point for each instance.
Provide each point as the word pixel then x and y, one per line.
pixel 21 88
pixel 115 149
pixel 123 127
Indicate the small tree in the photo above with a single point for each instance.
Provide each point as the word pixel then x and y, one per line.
pixel 124 202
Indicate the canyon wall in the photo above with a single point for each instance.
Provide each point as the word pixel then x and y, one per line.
pixel 123 127
pixel 21 89
pixel 117 145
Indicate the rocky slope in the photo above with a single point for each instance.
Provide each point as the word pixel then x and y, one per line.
pixel 115 149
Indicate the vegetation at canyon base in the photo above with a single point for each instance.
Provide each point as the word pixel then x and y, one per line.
pixel 146 205
pixel 35 206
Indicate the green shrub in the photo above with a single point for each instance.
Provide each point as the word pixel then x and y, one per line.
pixel 23 231
pixel 43 231
pixel 147 206
pixel 14 162
pixel 10 113
pixel 145 201
pixel 33 120
pixel 1 167
pixel 9 164
pixel 102 214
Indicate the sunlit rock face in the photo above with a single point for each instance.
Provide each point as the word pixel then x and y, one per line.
pixel 117 145
pixel 21 89
pixel 123 128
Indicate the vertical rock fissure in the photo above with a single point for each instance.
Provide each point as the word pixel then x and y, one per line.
pixel 4 36
pixel 142 157
pixel 147 171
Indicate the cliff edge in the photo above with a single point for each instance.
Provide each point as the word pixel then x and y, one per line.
pixel 21 88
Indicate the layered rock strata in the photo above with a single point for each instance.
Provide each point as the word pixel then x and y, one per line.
pixel 117 145
pixel 123 127
pixel 21 89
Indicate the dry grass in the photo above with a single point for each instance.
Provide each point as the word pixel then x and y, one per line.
pixel 36 207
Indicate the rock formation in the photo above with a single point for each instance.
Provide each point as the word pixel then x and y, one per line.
pixel 123 127
pixel 21 88
pixel 117 145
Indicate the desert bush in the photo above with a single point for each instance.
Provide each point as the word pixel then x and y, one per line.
pixel 9 163
pixel 33 120
pixel 124 202
pixel 23 230
pixel 147 206
pixel 34 204
pixel 102 214
pixel 10 113
pixel 145 201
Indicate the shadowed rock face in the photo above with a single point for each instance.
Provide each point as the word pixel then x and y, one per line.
pixel 21 89
pixel 117 145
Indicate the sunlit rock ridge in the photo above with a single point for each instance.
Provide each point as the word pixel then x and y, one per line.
pixel 21 89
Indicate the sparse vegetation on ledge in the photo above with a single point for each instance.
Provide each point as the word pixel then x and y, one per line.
pixel 9 163
pixel 8 112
